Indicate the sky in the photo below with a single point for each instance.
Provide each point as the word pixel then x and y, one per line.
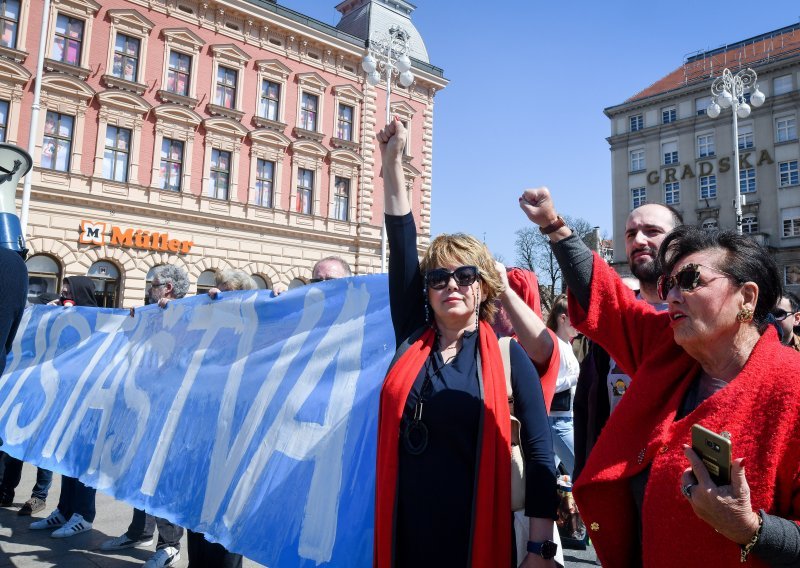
pixel 528 85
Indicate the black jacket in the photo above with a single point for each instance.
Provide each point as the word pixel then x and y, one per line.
pixel 13 292
pixel 82 289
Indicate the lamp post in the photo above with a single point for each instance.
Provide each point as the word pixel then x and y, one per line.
pixel 727 91
pixel 388 58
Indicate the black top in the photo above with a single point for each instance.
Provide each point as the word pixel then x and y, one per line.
pixel 13 292
pixel 436 488
pixel 82 290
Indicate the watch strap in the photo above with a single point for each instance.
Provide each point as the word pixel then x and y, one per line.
pixel 554 226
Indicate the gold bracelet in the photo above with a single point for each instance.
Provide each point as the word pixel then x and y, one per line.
pixel 747 548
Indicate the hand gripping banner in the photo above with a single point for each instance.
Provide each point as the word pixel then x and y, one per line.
pixel 249 418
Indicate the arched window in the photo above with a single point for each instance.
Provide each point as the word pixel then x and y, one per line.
pixel 296 283
pixel 749 224
pixel 44 275
pixel 106 283
pixel 206 281
pixel 261 282
pixel 710 224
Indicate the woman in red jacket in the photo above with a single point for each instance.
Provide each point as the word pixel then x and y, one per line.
pixel 712 360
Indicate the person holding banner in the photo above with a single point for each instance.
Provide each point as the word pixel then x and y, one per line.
pixel 76 508
pixel 443 495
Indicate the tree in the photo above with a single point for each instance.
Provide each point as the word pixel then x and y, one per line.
pixel 534 253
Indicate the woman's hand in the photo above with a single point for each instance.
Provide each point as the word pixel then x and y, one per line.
pixel 392 142
pixel 726 508
pixel 536 561
pixel 213 293
pixel 279 288
pixel 501 269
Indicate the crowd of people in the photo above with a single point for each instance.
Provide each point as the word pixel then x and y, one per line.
pixel 608 388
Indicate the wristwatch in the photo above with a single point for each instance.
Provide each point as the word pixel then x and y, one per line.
pixel 546 549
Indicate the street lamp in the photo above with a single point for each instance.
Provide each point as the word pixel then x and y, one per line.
pixel 729 91
pixel 388 58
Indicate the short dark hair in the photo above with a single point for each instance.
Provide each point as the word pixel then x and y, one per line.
pixel 747 261
pixel 793 300
pixel 677 216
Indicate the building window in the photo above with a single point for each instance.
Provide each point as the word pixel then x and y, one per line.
pixel 638 197
pixel 701 105
pixel 672 193
pixel 781 85
pixel 44 274
pixel 708 187
pixel 115 158
pixel 670 152
pixel 745 136
pixel 305 190
pixel 220 174
pixel 637 160
pixel 9 23
pixel 344 123
pixel 171 164
pixel 126 57
pixel 179 73
pixel 749 224
pixel 270 100
pixel 710 224
pixel 226 87
pixel 786 128
pixel 308 112
pixel 57 142
pixel 788 173
pixel 705 145
pixel 68 40
pixel 105 277
pixel 341 198
pixel 791 227
pixel 3 120
pixel 206 281
pixel 747 180
pixel 265 178
pixel 636 122
pixel 668 115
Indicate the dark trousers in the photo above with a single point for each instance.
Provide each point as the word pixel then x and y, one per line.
pixel 204 554
pixel 76 498
pixel 143 526
pixel 12 473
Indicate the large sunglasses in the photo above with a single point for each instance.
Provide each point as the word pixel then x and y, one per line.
pixel 687 279
pixel 438 278
pixel 781 314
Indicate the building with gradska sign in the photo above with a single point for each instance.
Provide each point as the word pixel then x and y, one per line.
pixel 666 149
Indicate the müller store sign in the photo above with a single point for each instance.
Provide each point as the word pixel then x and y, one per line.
pixel 97 233
pixel 747 160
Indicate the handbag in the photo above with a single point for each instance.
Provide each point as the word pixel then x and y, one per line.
pixel 517 459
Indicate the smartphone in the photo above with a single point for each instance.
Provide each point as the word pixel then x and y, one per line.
pixel 715 451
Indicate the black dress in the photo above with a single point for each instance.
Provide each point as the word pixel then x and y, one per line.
pixel 436 488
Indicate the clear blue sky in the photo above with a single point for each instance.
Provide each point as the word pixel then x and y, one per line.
pixel 528 85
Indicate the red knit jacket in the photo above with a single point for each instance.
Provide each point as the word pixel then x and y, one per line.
pixel 760 408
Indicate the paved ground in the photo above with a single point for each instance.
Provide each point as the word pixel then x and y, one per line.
pixel 22 547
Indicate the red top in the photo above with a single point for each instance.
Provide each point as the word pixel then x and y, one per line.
pixel 760 408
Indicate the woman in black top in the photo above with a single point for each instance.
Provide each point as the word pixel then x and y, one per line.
pixel 447 409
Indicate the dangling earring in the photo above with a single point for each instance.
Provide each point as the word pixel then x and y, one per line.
pixel 477 307
pixel 745 315
pixel 425 301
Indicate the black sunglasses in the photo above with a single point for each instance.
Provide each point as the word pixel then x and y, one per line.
pixel 781 314
pixel 438 278
pixel 687 279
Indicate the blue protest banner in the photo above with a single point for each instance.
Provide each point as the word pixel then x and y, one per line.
pixel 249 418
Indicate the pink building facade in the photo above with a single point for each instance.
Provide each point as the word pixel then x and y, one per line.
pixel 211 135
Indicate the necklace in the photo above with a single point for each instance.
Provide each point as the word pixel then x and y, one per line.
pixel 415 432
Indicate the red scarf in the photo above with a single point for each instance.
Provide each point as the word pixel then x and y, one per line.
pixel 491 532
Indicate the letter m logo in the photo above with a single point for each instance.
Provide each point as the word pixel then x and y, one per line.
pixel 92 233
